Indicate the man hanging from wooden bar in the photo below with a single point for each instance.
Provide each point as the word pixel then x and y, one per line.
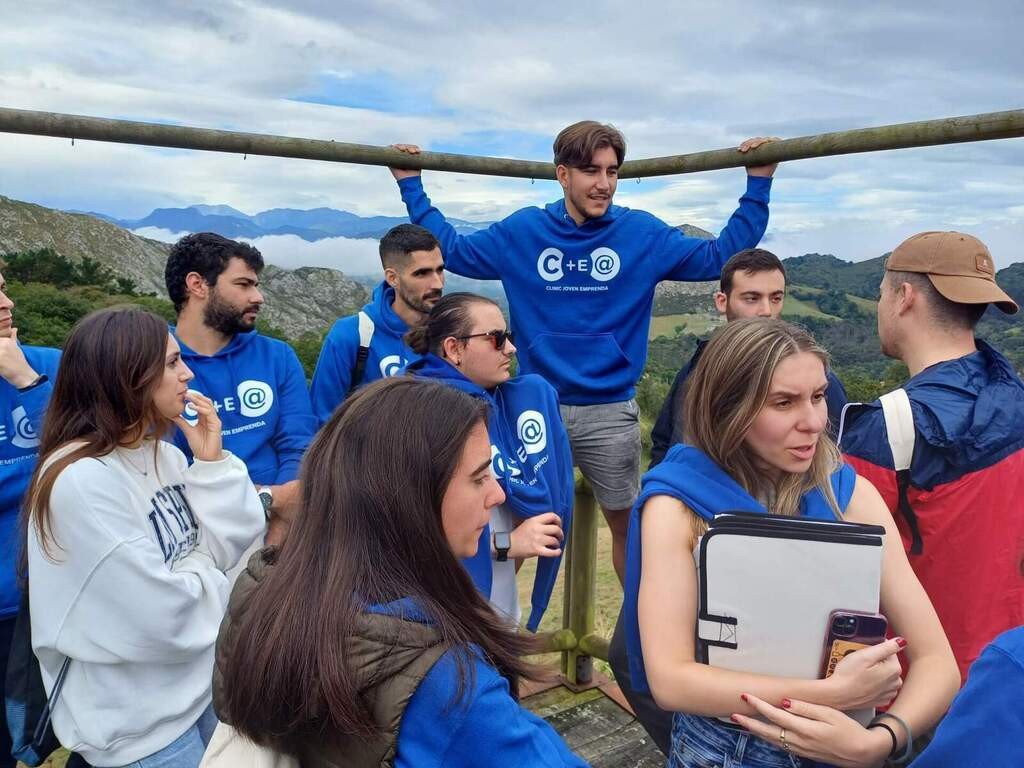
pixel 580 275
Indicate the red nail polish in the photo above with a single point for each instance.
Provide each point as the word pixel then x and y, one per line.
pixel 901 642
pixel 734 718
pixel 744 697
pixel 786 703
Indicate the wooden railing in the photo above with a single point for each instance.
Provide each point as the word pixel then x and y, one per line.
pixel 949 130
pixel 576 639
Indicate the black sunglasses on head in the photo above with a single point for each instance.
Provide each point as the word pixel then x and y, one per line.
pixel 498 338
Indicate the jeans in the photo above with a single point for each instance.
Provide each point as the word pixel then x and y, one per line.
pixel 187 750
pixel 703 742
pixel 6 636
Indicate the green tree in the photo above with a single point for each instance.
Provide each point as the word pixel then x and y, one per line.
pixel 40 266
pixel 90 272
pixel 307 347
pixel 45 314
pixel 124 285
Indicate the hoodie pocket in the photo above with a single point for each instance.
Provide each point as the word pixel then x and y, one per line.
pixel 580 362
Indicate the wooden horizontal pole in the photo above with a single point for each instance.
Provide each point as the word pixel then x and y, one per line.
pixel 185 137
pixel 951 130
pixel 595 645
pixel 983 127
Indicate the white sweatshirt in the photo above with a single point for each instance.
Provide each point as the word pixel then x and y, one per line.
pixel 136 594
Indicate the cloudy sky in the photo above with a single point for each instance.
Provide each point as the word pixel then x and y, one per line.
pixel 502 79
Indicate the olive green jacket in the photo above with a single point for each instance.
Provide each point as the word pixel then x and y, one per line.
pixel 390 656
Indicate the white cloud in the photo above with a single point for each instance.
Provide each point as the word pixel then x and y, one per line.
pixel 353 256
pixel 157 233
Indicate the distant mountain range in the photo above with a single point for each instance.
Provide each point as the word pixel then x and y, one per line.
pixel 308 299
pixel 298 300
pixel 310 225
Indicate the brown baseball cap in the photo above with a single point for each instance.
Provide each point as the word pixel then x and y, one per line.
pixel 959 266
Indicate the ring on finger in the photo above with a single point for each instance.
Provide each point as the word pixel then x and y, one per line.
pixel 782 740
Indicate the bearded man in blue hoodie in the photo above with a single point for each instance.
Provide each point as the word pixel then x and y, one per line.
pixel 580 275
pixel 368 345
pixel 26 381
pixel 256 382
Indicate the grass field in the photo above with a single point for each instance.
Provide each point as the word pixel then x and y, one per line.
pixel 794 306
pixel 865 305
pixel 697 324
pixel 56 760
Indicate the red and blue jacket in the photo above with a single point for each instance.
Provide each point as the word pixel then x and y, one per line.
pixel 966 491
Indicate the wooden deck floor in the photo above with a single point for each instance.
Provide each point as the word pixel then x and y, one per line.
pixel 596 725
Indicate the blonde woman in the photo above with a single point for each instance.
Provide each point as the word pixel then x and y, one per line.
pixel 756 416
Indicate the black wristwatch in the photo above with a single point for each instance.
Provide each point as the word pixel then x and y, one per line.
pixel 502 544
pixel 266 496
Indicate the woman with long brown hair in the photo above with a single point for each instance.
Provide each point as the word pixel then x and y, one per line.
pixel 363 641
pixel 127 546
pixel 755 413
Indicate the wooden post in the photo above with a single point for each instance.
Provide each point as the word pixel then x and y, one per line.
pixel 581 581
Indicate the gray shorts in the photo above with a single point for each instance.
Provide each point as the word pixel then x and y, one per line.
pixel 605 442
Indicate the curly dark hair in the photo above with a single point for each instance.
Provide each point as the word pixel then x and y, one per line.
pixel 208 254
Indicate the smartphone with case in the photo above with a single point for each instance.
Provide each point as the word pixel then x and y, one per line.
pixel 849 631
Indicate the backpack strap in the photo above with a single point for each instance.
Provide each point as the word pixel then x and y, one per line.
pixel 899 426
pixel 366 329
pixel 39 734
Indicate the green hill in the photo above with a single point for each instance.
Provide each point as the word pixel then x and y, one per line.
pixel 825 271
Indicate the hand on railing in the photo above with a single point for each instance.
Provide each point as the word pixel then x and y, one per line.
pixel 538 536
pixel 404 173
pixel 759 170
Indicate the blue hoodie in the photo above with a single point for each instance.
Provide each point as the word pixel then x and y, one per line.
pixel 388 353
pixel 531 459
pixel 260 391
pixel 985 723
pixel 22 414
pixel 689 475
pixel 485 726
pixel 581 296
